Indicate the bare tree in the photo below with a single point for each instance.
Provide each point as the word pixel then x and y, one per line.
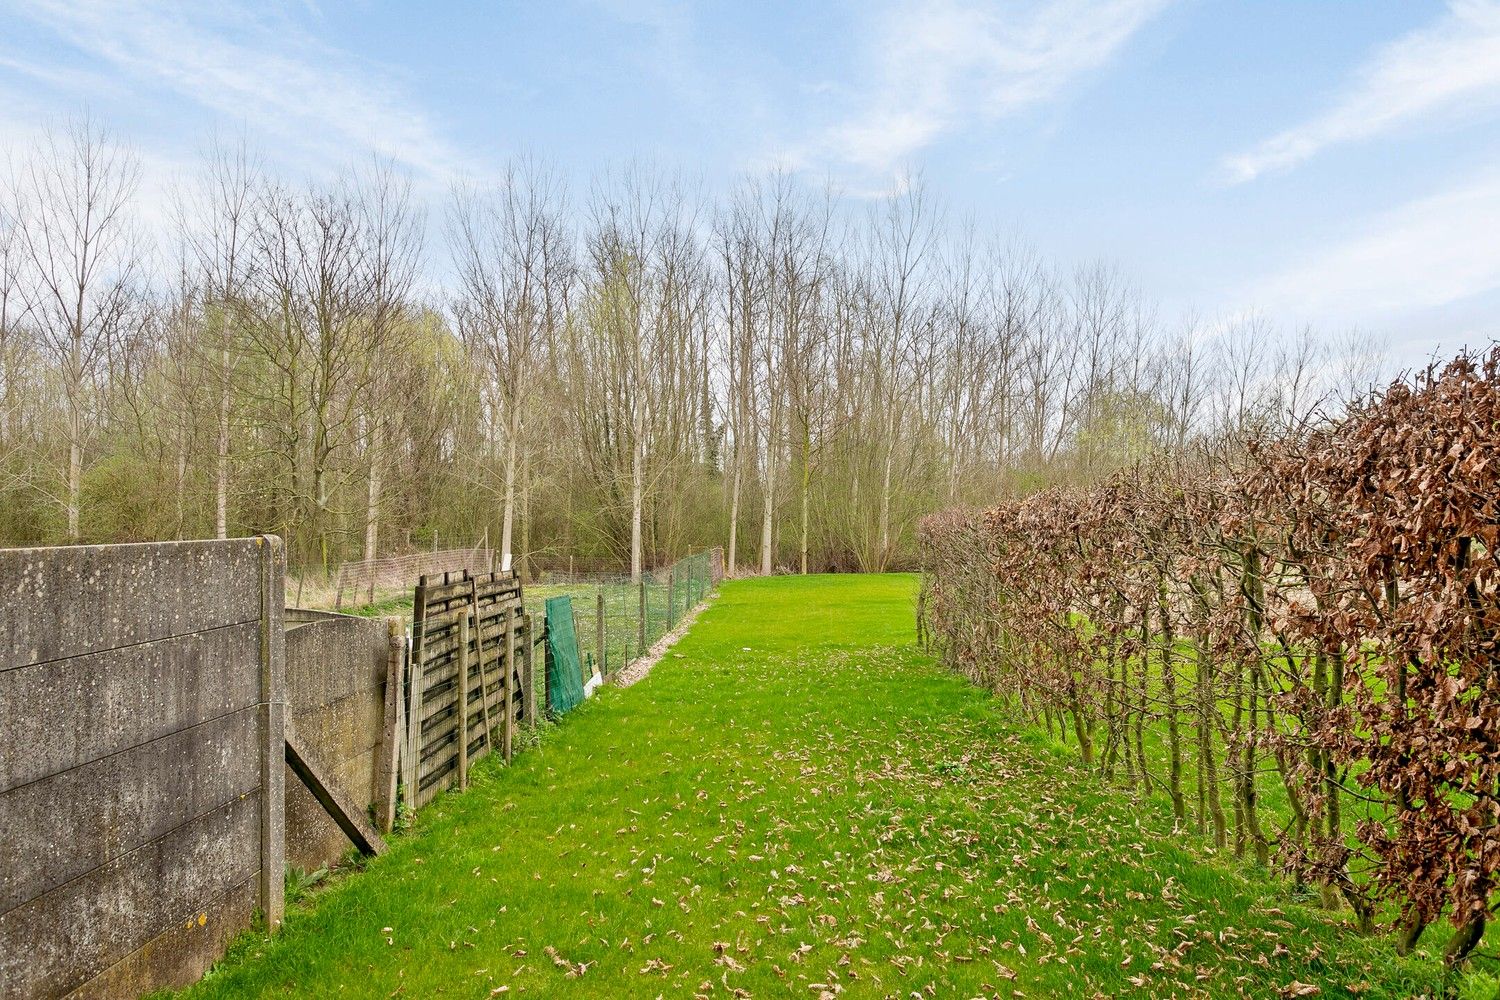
pixel 802 378
pixel 331 266
pixel 213 223
pixel 902 236
pixel 392 234
pixel 635 238
pixel 15 378
pixel 514 264
pixel 79 281
pixel 742 303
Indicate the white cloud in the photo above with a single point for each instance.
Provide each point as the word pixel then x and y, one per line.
pixel 62 78
pixel 939 65
pixel 1425 255
pixel 1451 67
pixel 255 67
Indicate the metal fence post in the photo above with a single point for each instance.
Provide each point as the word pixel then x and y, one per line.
pixel 599 633
pixel 641 620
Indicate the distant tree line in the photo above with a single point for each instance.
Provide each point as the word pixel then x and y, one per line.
pixel 623 374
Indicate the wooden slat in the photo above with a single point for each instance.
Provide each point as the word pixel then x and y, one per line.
pixel 441 703
pixel 445 714
pixel 430 786
pixel 494 703
pixel 488 587
pixel 441 675
pixel 439 751
pixel 440 631
pixel 439 593
pixel 462 700
pixel 414 711
pixel 481 660
pixel 508 724
pixel 440 733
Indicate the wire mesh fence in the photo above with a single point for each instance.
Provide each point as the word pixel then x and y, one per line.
pixel 470 675
pixel 617 619
pixel 362 580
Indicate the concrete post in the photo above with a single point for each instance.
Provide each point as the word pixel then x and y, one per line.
pixel 391 730
pixel 272 711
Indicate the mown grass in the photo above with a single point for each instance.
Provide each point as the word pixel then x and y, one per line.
pixel 798 802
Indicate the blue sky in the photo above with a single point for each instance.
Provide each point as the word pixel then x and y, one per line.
pixel 1328 163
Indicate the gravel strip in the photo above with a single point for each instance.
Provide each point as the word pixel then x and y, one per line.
pixel 641 665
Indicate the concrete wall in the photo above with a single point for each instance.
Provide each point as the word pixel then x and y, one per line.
pixel 337 667
pixel 142 700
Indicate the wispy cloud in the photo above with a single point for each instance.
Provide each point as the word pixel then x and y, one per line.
pixel 1425 255
pixel 256 66
pixel 940 65
pixel 59 77
pixel 1451 67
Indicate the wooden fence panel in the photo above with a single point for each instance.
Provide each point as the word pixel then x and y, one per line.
pixel 468 683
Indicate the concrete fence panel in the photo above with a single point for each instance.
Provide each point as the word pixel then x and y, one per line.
pixel 142 713
pixel 337 668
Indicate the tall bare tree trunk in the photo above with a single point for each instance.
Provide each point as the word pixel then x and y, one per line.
pixel 885 509
pixel 767 519
pixel 734 517
pixel 75 468
pixel 1208 722
pixel 637 488
pixel 1255 837
pixel 521 563
pixel 1254 589
pixel 181 474
pixel 221 469
pixel 806 489
pixel 372 506
pixel 508 517
pixel 1169 692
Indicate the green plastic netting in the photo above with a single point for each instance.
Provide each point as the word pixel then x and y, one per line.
pixel 564 674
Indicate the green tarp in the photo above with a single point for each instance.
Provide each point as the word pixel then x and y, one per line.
pixel 564 674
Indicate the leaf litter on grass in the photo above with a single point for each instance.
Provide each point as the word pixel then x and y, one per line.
pixel 763 817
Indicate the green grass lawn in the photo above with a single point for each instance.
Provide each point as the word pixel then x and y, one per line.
pixel 799 803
